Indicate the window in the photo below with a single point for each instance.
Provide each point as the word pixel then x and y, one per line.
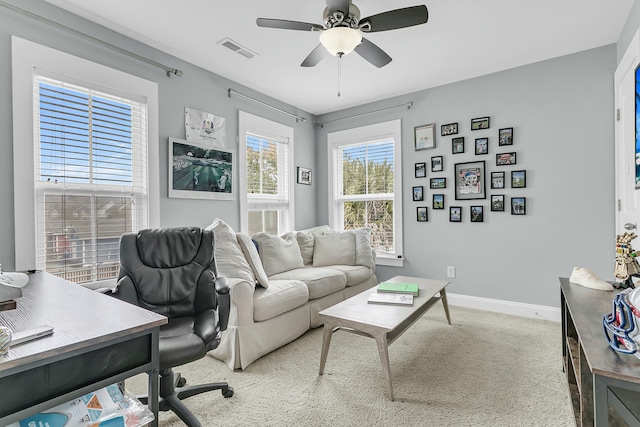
pixel 363 182
pixel 89 179
pixel 266 148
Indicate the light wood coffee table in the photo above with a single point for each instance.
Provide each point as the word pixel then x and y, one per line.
pixel 382 322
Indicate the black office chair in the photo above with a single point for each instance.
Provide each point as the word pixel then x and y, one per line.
pixel 173 272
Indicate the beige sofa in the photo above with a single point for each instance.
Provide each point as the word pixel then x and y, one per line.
pixel 280 283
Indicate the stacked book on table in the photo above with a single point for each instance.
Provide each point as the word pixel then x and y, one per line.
pixel 394 293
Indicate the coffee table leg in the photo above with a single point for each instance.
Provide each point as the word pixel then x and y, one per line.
pixel 445 304
pixel 326 341
pixel 383 350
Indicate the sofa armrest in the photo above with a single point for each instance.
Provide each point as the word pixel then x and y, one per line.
pixel 241 292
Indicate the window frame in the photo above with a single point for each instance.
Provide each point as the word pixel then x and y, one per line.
pixel 260 126
pixel 362 135
pixel 28 56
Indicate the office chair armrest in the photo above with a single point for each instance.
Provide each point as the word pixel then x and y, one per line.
pixel 224 302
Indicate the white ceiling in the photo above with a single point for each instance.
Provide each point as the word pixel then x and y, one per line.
pixel 463 39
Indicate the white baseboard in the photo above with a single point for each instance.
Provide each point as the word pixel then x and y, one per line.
pixel 507 307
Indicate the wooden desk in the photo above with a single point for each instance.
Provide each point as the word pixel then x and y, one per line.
pixel 604 385
pixel 97 341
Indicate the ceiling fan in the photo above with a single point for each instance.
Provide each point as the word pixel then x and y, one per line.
pixel 343 28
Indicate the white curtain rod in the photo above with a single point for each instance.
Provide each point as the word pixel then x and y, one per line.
pixel 408 105
pixel 242 95
pixel 170 71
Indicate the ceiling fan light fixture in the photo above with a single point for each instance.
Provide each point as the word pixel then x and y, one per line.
pixel 340 40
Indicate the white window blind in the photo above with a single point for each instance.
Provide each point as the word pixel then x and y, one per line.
pixel 90 178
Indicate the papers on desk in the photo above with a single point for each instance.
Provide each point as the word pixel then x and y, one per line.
pixel 389 298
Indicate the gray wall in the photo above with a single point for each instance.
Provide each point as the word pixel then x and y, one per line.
pixel 196 89
pixel 629 30
pixel 561 112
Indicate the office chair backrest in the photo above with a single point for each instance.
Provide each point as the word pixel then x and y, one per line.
pixel 169 271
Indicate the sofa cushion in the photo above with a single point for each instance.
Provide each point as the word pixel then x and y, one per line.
pixel 278 253
pixel 355 274
pixel 305 241
pixel 364 254
pixel 281 296
pixel 230 260
pixel 251 254
pixel 320 281
pixel 331 249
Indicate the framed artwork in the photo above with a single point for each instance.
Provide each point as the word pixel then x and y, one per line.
pixel 437 183
pixel 505 159
pixel 477 213
pixel 455 214
pixel 497 180
pixel 199 171
pixel 518 179
pixel 480 123
pixel 449 129
pixel 421 170
pixel 438 201
pixel 482 146
pixel 436 164
pixel 304 175
pixel 518 206
pixel 469 180
pixel 457 145
pixel 425 137
pixel 421 213
pixel 497 202
pixel 418 193
pixel 505 136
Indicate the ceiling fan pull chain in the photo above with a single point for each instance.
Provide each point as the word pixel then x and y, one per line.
pixel 339 71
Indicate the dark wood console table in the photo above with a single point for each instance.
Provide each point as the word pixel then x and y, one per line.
pixel 604 385
pixel 97 341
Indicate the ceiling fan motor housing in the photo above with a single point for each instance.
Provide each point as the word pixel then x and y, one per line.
pixel 338 18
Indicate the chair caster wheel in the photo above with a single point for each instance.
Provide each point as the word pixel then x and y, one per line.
pixel 228 392
pixel 181 382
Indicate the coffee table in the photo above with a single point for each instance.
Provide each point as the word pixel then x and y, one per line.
pixel 382 322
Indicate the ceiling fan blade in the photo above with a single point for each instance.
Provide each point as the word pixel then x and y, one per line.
pixel 315 56
pixel 372 53
pixel 341 5
pixel 393 19
pixel 283 24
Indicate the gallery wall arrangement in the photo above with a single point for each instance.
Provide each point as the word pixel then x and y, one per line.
pixel 474 177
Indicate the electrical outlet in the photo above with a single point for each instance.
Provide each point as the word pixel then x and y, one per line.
pixel 451 272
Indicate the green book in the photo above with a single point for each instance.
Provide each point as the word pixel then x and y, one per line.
pixel 399 288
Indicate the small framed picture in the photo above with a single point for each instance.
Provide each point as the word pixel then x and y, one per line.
pixel 436 164
pixel 457 145
pixel 497 202
pixel 518 206
pixel 449 129
pixel 477 213
pixel 480 123
pixel 437 183
pixel 425 137
pixel 421 212
pixel 469 180
pixel 505 136
pixel 505 159
pixel 518 179
pixel 418 194
pixel 304 176
pixel 497 180
pixel 455 214
pixel 482 146
pixel 438 201
pixel 421 170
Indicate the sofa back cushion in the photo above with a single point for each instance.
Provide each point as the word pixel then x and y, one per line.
pixel 278 253
pixel 334 249
pixel 230 260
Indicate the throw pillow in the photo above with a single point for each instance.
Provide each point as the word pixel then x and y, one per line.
pixel 278 253
pixel 251 254
pixel 230 260
pixel 334 249
pixel 305 241
pixel 364 253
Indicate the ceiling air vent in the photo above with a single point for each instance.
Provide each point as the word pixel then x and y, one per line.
pixel 237 48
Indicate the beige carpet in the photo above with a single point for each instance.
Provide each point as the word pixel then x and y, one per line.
pixel 486 369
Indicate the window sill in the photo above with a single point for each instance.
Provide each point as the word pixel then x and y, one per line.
pixel 389 261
